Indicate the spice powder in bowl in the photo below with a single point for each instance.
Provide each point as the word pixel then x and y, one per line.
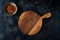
pixel 11 8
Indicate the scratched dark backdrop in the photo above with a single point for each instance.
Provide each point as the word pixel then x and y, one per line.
pixel 9 24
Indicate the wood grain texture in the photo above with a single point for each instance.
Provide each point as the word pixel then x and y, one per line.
pixel 30 22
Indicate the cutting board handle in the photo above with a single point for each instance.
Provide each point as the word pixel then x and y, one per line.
pixel 47 15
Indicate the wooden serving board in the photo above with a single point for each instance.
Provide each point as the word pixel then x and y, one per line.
pixel 30 22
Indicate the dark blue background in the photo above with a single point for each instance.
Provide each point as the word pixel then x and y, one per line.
pixel 9 24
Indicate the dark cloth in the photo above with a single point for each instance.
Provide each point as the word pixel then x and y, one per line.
pixel 9 24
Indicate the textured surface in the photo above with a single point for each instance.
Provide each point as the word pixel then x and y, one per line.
pixel 51 27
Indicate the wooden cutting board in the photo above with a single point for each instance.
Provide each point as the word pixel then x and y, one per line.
pixel 30 22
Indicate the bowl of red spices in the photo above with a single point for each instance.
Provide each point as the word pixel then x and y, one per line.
pixel 11 8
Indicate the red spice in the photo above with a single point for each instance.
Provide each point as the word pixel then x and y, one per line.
pixel 10 8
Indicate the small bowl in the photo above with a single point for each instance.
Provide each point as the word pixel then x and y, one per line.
pixel 11 8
